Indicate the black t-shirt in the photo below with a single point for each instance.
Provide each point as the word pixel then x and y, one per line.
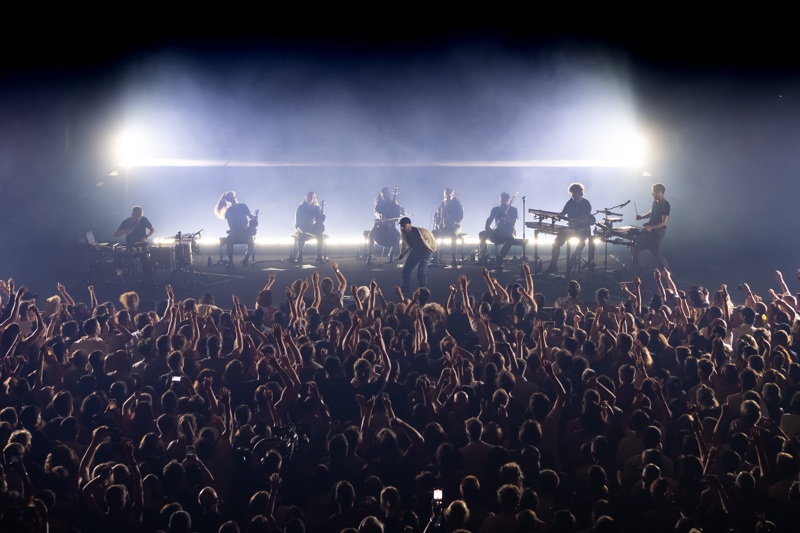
pixel 506 219
pixel 414 240
pixel 307 216
pixel 453 212
pixel 237 217
pixel 140 228
pixel 578 213
pixel 658 212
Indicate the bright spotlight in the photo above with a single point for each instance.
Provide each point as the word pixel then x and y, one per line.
pixel 626 146
pixel 130 147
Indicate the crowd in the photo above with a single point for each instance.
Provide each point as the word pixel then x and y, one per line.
pixel 302 410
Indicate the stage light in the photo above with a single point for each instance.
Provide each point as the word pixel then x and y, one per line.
pixel 625 145
pixel 130 147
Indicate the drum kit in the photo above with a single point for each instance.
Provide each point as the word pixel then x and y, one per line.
pixel 171 260
pixel 604 230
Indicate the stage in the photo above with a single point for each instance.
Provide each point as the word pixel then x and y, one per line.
pixel 204 270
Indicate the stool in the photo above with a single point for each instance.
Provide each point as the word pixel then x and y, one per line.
pixel 296 245
pixel 223 243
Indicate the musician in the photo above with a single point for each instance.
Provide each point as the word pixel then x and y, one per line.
pixel 241 224
pixel 421 244
pixel 655 228
pixel 384 231
pixel 137 229
pixel 578 214
pixel 308 219
pixel 500 229
pixel 448 219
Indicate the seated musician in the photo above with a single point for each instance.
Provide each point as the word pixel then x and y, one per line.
pixel 241 227
pixel 137 229
pixel 308 219
pixel 504 219
pixel 578 213
pixel 384 231
pixel 448 220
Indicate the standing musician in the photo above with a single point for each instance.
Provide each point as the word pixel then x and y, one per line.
pixel 137 229
pixel 384 231
pixel 241 225
pixel 448 219
pixel 309 219
pixel 421 244
pixel 578 213
pixel 655 228
pixel 504 218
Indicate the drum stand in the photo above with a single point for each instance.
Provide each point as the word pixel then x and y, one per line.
pixel 184 273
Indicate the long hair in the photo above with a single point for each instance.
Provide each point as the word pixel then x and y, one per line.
pixel 224 203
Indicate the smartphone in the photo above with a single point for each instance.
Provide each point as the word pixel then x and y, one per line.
pixel 176 379
pixel 112 403
pixel 438 495
pixel 190 451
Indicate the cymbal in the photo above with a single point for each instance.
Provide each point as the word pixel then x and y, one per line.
pixel 613 219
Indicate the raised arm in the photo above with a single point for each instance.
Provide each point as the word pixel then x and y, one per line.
pixel 784 289
pixel 339 276
pixel 487 277
pixel 92 298
pixel 451 299
pixel 64 294
pixel 464 283
pixel 315 290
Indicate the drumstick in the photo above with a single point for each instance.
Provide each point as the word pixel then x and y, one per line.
pixel 636 208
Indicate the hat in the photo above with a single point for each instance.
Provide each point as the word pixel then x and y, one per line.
pixel 404 220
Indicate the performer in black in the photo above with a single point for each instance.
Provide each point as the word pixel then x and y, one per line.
pixel 384 231
pixel 137 229
pixel 448 220
pixel 655 228
pixel 241 224
pixel 309 219
pixel 578 213
pixel 504 218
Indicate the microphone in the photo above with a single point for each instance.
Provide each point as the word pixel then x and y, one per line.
pixel 626 203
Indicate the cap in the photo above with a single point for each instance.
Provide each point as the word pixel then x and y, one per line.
pixel 404 220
